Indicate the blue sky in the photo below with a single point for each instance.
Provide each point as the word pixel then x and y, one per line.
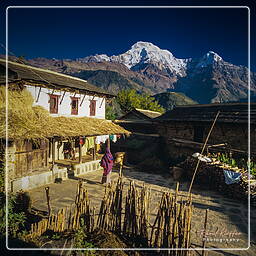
pixel 73 33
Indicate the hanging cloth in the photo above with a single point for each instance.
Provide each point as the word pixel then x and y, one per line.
pixel 114 139
pixel 89 142
pixel 101 139
pixel 231 177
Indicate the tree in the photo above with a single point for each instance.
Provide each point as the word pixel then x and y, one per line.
pixel 130 99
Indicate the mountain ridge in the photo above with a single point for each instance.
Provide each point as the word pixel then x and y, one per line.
pixel 149 69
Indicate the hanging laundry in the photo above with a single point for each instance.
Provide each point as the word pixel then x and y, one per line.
pixel 231 177
pixel 104 138
pixel 113 137
pixel 101 139
pixel 89 141
pixel 81 141
pixel 98 140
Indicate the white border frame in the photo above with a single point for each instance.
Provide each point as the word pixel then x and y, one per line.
pixel 131 249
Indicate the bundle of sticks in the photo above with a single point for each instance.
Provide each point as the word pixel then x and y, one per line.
pixel 212 176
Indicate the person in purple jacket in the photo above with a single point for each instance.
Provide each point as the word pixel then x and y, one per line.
pixel 107 162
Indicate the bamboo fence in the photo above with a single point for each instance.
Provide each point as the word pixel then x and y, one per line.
pixel 127 216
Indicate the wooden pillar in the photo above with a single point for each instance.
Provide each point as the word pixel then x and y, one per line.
pixel 53 151
pixel 47 152
pixel 94 150
pixel 80 152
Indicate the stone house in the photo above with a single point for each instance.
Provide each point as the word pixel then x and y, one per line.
pixel 185 128
pixel 48 114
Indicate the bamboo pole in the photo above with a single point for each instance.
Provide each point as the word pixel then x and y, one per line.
pixel 204 237
pixel 202 151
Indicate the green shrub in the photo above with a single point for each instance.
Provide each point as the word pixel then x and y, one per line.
pixel 81 242
pixel 16 220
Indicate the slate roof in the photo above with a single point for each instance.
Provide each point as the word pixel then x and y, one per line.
pixel 229 113
pixel 141 114
pixel 149 113
pixel 20 72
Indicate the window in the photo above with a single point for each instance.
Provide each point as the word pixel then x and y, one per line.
pixel 92 107
pixel 198 133
pixel 74 106
pixel 54 101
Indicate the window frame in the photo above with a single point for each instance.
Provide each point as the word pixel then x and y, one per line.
pixel 92 107
pixel 51 109
pixel 74 111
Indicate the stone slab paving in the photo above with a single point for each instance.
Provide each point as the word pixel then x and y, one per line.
pixel 225 215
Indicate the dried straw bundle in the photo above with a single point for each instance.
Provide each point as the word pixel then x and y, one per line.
pixel 29 122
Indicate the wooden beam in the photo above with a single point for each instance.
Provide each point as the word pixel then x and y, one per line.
pixel 102 101
pixel 62 97
pixel 82 100
pixel 37 98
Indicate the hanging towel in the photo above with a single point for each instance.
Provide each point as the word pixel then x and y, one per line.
pixel 231 177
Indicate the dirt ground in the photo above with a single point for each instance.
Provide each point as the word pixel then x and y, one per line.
pixel 227 219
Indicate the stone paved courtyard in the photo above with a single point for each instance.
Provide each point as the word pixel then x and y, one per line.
pixel 225 215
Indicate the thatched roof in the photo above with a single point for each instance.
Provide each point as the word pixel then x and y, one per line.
pixel 23 73
pixel 27 122
pixel 229 113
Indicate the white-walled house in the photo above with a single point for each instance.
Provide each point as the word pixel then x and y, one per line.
pixel 72 100
pixel 70 104
pixel 60 94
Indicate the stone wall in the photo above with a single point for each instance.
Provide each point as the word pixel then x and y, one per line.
pixel 81 169
pixel 10 164
pixel 236 135
pixel 38 179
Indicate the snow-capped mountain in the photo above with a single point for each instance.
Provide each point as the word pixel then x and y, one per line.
pixel 208 59
pixel 147 68
pixel 144 53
